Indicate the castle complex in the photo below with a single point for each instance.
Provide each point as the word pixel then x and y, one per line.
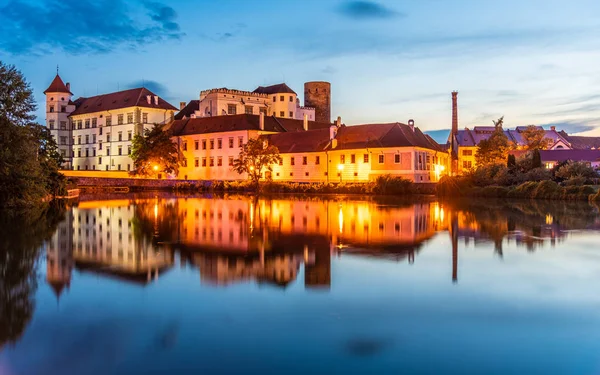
pixel 96 133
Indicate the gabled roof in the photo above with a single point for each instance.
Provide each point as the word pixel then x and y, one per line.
pixel 226 123
pixel 119 99
pixel 309 141
pixel 581 142
pixel 57 85
pixel 383 135
pixel 471 138
pixel 188 110
pixel 281 88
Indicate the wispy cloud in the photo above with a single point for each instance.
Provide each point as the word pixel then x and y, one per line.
pixel 366 10
pixel 575 126
pixel 87 26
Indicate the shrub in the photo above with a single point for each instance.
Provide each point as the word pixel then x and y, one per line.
pixel 547 190
pixel 453 186
pixel 574 169
pixel 391 185
pixel 538 174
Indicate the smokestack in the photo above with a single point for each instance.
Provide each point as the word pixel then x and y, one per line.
pixel 332 132
pixel 411 123
pixel 69 86
pixel 181 105
pixel 261 121
pixel 338 122
pixel 305 122
pixel 553 128
pixel 454 112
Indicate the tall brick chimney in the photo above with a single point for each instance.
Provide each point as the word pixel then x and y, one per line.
pixel 454 112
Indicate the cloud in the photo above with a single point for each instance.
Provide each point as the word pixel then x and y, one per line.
pixel 574 126
pixel 87 26
pixel 329 70
pixel 366 10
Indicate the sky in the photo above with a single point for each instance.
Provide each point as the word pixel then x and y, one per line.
pixel 533 62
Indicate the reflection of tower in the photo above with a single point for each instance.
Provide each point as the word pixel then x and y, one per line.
pixel 454 134
pixel 318 96
pixel 318 274
pixel 59 256
pixel 454 238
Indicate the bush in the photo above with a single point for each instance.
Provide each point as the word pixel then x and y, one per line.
pixel 453 186
pixel 547 190
pixel 576 169
pixel 538 174
pixel 391 185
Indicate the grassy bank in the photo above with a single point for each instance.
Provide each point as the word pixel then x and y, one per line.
pixel 462 187
pixel 383 185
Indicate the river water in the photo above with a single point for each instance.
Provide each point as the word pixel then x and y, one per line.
pixel 161 284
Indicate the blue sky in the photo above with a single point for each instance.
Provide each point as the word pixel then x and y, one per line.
pixel 534 61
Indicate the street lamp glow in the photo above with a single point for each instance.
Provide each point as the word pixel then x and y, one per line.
pixel 156 167
pixel 340 167
pixel 251 168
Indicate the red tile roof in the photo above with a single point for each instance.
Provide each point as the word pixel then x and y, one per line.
pixel 117 100
pixel 384 135
pixel 57 85
pixel 217 124
pixel 188 110
pixel 310 141
pixel 281 88
pixel 581 142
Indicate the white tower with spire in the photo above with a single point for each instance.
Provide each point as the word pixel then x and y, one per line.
pixel 58 108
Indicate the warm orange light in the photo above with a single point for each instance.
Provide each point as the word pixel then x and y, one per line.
pixel 156 167
pixel 251 168
pixel 340 167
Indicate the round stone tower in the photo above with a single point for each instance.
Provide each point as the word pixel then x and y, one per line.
pixel 318 95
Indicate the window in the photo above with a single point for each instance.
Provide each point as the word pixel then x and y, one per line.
pixel 219 143
pixel 467 164
pixel 397 158
pixel 240 141
pixel 304 160
pixel 79 124
pixel 109 120
pixel 51 122
pixel 230 161
pixel 87 139
pixel 291 98
pixel 108 151
pixel 120 150
pixel 204 144
pixel 196 162
pixel 281 98
pixel 196 145
pixel 128 150
pixel 342 159
pixel 100 131
pixel 184 146
pixel 212 162
pixel 212 144
pixel 467 152
pixel 381 158
pixel 120 136
pixel 78 139
pixel 107 137
pixel 94 122
pixel 52 108
pixel 263 111
pixel 63 140
pixel 130 118
pixel 248 109
pixel 100 145
pixel 100 160
pixel 87 152
pixel 365 158
pixel 306 174
pixel 352 159
pixel 274 100
pixel 144 118
pixel 63 108
pixel 291 114
pixel 119 119
pixel 204 162
pixel 219 161
pixel 94 151
pixel 317 160
pixel 292 161
pixel 230 142
pixel 93 138
pixel 63 125
pixel 231 109
pixel 79 152
pixel 280 161
pixel 281 114
pixel 87 123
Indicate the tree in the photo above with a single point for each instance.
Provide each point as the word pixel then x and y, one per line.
pixel 511 163
pixel 493 150
pixel 536 159
pixel 535 138
pixel 154 152
pixel 576 170
pixel 499 123
pixel 254 158
pixel 28 157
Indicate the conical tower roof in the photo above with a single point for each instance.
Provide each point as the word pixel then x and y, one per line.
pixel 57 85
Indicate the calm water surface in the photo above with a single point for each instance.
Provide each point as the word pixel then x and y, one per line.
pixel 225 285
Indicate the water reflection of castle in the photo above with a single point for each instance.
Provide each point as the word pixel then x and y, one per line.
pixel 240 239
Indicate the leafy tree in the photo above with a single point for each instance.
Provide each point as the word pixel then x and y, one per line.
pixel 535 138
pixel 493 150
pixel 254 158
pixel 154 152
pixel 28 157
pixel 576 170
pixel 499 123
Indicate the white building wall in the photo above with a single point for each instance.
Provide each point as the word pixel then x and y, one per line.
pixel 57 120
